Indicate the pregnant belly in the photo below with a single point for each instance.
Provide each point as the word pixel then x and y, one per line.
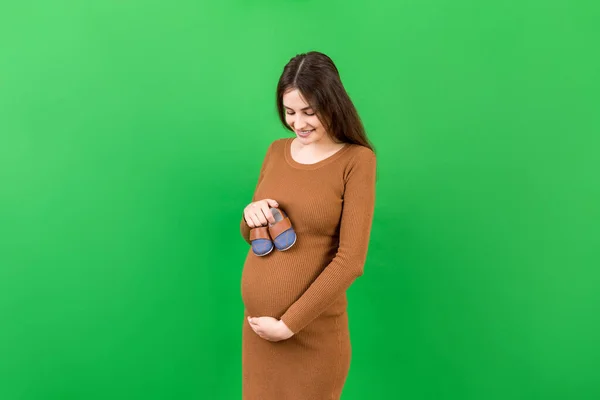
pixel 271 284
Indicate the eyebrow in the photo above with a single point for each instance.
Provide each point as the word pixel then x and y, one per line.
pixel 305 108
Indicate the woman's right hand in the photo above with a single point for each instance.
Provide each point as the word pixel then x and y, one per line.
pixel 258 213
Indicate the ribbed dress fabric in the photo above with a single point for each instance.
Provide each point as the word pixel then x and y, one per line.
pixel 330 204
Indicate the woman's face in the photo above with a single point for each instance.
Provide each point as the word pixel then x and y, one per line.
pixel 302 118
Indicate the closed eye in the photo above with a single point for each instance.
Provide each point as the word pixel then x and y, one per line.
pixel 306 113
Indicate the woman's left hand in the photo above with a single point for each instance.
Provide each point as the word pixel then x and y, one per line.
pixel 270 329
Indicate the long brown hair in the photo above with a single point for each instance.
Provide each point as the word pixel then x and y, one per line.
pixel 317 79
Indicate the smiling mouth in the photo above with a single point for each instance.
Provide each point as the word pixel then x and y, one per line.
pixel 304 133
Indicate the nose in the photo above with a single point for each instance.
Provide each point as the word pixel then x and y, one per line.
pixel 298 122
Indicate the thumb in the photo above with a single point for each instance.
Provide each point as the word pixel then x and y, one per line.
pixel 272 203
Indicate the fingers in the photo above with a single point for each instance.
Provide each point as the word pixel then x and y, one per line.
pixel 267 213
pixel 255 218
pixel 255 325
pixel 251 217
pixel 258 213
pixel 248 220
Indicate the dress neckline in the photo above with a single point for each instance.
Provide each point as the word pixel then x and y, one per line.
pixel 290 160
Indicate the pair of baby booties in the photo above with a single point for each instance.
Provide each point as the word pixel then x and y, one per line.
pixel 280 235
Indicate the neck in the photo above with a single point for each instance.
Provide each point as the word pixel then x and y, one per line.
pixel 325 144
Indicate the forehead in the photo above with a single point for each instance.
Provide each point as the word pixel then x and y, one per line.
pixel 293 99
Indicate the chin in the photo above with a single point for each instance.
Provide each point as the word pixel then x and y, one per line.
pixel 310 139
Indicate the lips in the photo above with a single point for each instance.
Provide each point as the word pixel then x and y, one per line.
pixel 305 134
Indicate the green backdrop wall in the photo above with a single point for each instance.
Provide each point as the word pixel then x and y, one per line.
pixel 131 134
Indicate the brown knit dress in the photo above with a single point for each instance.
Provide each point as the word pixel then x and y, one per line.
pixel 330 204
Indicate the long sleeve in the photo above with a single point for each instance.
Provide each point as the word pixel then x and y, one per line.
pixel 348 263
pixel 244 228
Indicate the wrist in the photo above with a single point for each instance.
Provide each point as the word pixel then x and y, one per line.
pixel 283 327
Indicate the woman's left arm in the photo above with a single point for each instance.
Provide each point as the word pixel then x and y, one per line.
pixel 355 230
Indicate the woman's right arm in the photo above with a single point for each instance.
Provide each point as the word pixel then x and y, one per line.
pixel 257 212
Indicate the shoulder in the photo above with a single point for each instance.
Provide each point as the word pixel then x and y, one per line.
pixel 277 144
pixel 361 154
pixel 361 163
pixel 275 147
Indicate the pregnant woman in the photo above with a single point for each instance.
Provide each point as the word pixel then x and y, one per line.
pixel 295 338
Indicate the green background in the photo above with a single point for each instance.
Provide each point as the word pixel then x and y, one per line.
pixel 131 134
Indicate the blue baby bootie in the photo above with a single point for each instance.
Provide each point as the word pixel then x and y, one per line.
pixel 261 241
pixel 282 233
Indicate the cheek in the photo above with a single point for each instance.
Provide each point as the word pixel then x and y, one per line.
pixel 317 124
pixel 314 122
